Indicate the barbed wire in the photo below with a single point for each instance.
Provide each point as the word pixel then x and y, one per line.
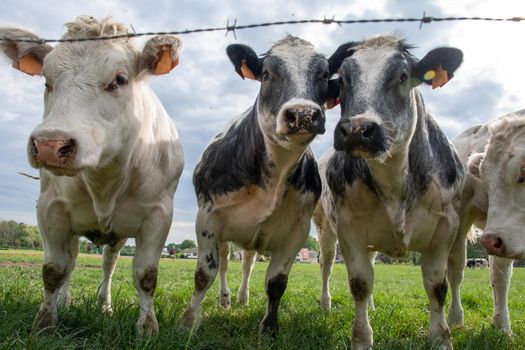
pixel 232 28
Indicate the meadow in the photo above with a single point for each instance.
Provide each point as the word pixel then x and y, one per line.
pixel 400 320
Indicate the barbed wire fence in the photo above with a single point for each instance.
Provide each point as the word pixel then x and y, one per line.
pixel 232 28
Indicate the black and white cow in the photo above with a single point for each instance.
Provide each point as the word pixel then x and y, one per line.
pixel 493 199
pixel 393 180
pixel 476 262
pixel 257 183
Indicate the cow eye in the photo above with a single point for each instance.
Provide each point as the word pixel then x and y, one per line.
pixel 325 77
pixel 266 75
pixel 120 80
pixel 49 88
pixel 341 81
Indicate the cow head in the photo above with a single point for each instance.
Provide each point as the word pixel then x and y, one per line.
pixel 502 171
pixel 376 80
pixel 294 87
pixel 93 100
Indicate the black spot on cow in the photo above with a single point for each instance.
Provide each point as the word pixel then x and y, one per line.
pixel 305 178
pixel 359 288
pixel 99 238
pixel 204 233
pixel 210 260
pixel 343 170
pixel 274 291
pixel 236 160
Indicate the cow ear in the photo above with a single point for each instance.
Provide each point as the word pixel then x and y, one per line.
pixel 438 66
pixel 160 54
pixel 332 98
pixel 474 164
pixel 27 57
pixel 337 58
pixel 245 61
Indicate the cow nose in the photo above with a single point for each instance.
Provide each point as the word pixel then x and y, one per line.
pixel 56 151
pixel 304 119
pixel 355 133
pixel 492 243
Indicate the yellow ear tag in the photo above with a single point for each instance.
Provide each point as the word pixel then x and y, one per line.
pixel 29 65
pixel 440 79
pixel 247 72
pixel 165 63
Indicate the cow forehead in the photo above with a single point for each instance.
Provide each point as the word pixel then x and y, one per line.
pixel 92 61
pixel 295 53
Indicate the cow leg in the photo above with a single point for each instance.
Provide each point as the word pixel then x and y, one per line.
pixel 58 264
pixel 224 291
pixel 109 261
pixel 361 281
pixel 205 271
pixel 327 245
pixel 434 269
pixel 372 259
pixel 456 266
pixel 149 243
pixel 248 261
pixel 64 295
pixel 500 274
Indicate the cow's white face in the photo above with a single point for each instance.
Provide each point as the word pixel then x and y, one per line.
pixel 95 92
pixel 503 174
pixel 89 113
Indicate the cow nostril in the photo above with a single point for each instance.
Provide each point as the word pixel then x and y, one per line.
pixel 315 115
pixel 369 130
pixel 290 116
pixel 34 149
pixel 67 149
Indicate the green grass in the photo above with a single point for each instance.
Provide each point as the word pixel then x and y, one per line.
pixel 400 320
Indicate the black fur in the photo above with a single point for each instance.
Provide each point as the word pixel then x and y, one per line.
pixel 343 170
pixel 236 160
pixel 448 58
pixel 305 178
pixel 274 291
pixel 339 56
pixel 238 53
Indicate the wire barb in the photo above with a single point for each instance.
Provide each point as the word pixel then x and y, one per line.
pixel 231 28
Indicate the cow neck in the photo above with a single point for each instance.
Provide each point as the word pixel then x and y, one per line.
pixel 283 161
pixel 106 186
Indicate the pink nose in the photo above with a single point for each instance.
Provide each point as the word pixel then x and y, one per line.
pixel 57 151
pixel 492 243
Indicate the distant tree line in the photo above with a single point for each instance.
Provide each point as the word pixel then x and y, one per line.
pixel 19 235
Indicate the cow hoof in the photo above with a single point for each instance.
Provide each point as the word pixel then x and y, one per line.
pixel 225 300
pixel 149 328
pixel 190 320
pixel 502 325
pixel 455 317
pixel 326 303
pixel 44 319
pixel 64 301
pixel 442 343
pixel 106 308
pixel 356 346
pixel 242 299
pixel 269 327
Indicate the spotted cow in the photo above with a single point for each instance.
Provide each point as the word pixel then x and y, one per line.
pixel 392 181
pixel 257 183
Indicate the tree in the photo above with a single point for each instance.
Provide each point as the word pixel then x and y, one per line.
pixel 311 243
pixel 186 244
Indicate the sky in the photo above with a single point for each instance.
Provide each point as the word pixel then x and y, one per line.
pixel 203 93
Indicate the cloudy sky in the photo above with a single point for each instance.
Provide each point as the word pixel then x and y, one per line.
pixel 204 92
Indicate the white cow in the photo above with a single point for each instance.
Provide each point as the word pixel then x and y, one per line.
pixel 494 200
pixel 108 153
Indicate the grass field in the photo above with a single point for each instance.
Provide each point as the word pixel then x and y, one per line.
pixel 400 320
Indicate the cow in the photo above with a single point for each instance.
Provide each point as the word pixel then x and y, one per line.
pixel 477 262
pixel 493 201
pixel 108 153
pixel 392 181
pixel 257 182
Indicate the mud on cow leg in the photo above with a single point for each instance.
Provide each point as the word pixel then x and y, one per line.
pixel 54 276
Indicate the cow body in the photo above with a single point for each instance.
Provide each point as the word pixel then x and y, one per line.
pixel 109 157
pixel 492 200
pixel 393 179
pixel 257 182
